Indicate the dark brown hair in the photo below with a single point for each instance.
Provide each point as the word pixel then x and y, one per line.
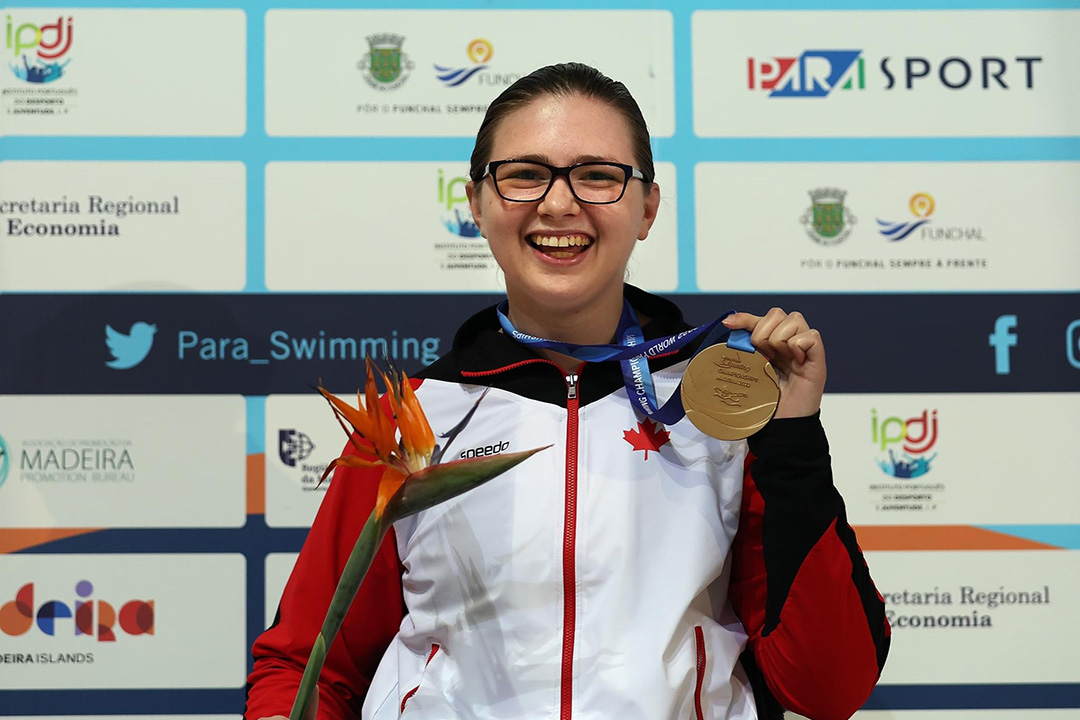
pixel 562 80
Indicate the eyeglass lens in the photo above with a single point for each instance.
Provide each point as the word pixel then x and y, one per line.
pixel 591 182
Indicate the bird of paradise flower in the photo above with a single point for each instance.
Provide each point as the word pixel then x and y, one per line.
pixel 414 478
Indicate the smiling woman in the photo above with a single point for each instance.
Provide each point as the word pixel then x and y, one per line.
pixel 703 578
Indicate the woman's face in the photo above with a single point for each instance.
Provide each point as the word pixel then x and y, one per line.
pixel 596 240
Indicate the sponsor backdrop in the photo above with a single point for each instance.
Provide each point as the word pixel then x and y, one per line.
pixel 205 207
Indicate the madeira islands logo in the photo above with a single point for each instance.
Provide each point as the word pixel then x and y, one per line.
pixel 38 51
pixel 385 66
pixel 828 221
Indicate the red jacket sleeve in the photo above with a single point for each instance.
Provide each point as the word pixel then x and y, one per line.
pixel 816 623
pixel 282 651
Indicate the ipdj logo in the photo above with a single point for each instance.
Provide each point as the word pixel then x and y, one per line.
pixel 815 73
pixel 1003 339
pixel 479 52
pixel 131 349
pixel 1072 343
pixel 5 460
pixel 294 446
pixel 385 67
pixel 92 618
pixel 921 206
pixel 38 50
pixel 828 221
pixel 454 207
pixel 904 445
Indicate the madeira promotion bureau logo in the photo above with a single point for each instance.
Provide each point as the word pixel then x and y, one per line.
pixel 39 51
pixel 386 66
pixel 904 446
pixel 820 73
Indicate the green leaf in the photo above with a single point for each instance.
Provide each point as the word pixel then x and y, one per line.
pixel 438 483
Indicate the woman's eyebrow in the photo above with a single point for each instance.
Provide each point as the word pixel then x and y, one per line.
pixel 535 157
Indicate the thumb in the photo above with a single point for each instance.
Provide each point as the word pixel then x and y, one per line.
pixel 313 706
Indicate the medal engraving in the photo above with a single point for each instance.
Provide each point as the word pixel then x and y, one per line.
pixel 729 394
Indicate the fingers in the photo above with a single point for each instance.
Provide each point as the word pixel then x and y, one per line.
pixel 313 707
pixel 778 334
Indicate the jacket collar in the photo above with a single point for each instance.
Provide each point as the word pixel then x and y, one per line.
pixel 482 354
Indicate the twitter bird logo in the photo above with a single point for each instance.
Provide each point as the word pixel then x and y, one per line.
pixel 131 349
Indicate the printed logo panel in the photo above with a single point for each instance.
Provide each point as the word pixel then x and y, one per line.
pixel 977 615
pixel 122 621
pixel 122 226
pixel 84 71
pixel 302 438
pixel 278 568
pixel 828 227
pixel 433 73
pixel 122 461
pixel 939 459
pixel 885 74
pixel 407 227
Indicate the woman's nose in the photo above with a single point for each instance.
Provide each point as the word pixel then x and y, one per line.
pixel 559 199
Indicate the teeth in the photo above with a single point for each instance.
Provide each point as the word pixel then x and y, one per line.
pixel 562 240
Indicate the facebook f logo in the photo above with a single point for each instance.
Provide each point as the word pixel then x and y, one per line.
pixel 1001 340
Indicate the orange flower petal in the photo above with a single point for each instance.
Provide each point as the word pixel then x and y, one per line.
pixel 389 484
pixel 423 439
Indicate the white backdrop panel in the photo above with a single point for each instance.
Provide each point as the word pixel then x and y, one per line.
pixel 985 226
pixel 192 237
pixel 1020 97
pixel 633 45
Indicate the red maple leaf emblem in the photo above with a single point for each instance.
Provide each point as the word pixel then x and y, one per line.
pixel 648 436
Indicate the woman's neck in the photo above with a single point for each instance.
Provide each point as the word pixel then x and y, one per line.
pixel 592 325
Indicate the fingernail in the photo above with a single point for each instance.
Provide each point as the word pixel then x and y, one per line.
pixel 729 320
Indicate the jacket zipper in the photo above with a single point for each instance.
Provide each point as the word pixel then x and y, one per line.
pixel 434 649
pixel 569 528
pixel 699 642
pixel 569 560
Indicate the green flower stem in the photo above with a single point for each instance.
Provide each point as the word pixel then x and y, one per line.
pixel 356 568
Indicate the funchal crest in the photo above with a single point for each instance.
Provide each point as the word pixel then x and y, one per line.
pixel 385 66
pixel 827 220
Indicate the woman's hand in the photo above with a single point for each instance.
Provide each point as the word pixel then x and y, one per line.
pixel 309 714
pixel 796 353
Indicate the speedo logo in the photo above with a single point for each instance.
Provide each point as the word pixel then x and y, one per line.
pixel 485 450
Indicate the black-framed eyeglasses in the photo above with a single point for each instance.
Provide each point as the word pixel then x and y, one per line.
pixel 594 183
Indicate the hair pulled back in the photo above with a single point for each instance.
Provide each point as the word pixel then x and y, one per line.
pixel 563 80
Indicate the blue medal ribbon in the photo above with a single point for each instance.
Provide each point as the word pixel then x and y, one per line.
pixel 633 353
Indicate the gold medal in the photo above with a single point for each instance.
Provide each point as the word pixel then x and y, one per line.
pixel 729 394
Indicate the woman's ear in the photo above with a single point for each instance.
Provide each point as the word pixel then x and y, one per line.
pixel 652 206
pixel 473 193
